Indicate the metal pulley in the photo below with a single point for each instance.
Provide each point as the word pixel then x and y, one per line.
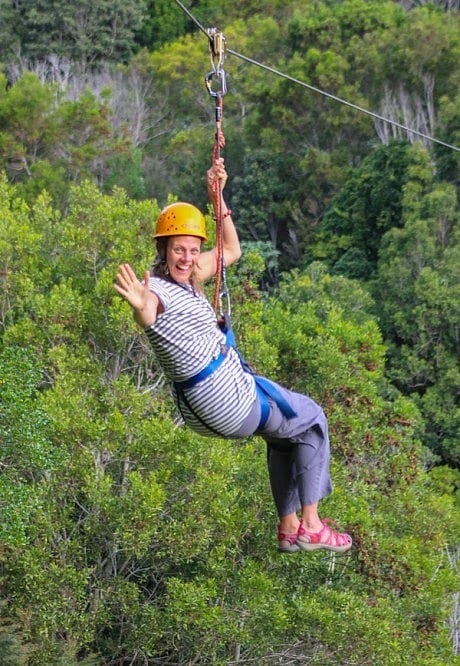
pixel 216 47
pixel 217 53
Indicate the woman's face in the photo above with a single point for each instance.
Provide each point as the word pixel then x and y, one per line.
pixel 182 253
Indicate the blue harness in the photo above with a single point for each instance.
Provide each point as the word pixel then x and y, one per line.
pixel 265 389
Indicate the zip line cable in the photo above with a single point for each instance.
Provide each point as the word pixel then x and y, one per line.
pixel 342 101
pixel 319 91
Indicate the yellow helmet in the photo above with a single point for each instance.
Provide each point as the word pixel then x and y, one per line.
pixel 181 219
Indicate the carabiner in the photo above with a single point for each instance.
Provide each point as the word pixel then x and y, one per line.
pixel 224 294
pixel 220 74
pixel 228 309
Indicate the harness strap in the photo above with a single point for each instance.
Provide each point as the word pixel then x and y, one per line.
pixel 183 397
pixel 265 388
pixel 264 407
pixel 205 372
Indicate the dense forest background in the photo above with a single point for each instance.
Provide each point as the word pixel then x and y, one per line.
pixel 124 537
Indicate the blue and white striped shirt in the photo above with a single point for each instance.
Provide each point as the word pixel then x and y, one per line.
pixel 185 338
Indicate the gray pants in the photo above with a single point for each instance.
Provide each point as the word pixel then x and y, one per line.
pixel 297 451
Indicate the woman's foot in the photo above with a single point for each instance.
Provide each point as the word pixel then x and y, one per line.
pixel 339 542
pixel 287 542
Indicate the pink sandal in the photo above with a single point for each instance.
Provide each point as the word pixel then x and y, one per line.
pixel 339 542
pixel 287 543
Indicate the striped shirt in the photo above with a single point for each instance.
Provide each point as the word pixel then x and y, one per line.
pixel 186 338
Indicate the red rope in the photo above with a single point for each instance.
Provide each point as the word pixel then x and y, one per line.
pixel 219 142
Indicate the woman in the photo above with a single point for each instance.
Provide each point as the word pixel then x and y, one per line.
pixel 212 387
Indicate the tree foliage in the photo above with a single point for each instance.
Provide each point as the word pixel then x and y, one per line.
pixel 48 141
pixel 369 204
pixel 417 289
pixel 83 31
pixel 125 538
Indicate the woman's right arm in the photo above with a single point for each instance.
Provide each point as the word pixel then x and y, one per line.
pixel 143 302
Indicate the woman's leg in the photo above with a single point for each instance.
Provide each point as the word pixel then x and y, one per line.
pixel 298 464
pixel 299 477
pixel 314 482
pixel 299 473
pixel 282 475
pixel 283 482
pixel 313 479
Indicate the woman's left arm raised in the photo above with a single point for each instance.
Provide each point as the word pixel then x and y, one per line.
pixel 207 265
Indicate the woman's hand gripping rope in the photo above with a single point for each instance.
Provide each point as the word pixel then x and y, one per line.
pixel 216 175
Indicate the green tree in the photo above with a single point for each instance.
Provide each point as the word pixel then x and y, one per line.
pixel 417 288
pixel 25 111
pixel 129 539
pixel 27 451
pixel 368 205
pixel 448 160
pixel 141 540
pixel 83 31
pixel 164 23
pixel 13 651
pixel 48 141
pixel 260 196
